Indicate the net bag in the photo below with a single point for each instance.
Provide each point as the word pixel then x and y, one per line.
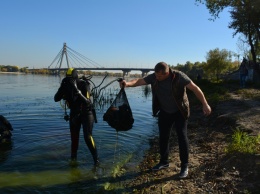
pixel 119 114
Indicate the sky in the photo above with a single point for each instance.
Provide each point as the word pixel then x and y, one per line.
pixel 113 33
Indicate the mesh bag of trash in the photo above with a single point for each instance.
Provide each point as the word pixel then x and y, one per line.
pixel 119 114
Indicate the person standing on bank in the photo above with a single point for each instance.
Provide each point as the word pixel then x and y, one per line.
pixel 171 103
pixel 76 92
pixel 243 73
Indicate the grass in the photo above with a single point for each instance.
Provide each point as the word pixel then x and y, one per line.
pixel 241 142
pixel 248 94
pixel 213 91
pixel 216 91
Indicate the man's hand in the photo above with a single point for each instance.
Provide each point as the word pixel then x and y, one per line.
pixel 132 83
pixel 206 109
pixel 122 84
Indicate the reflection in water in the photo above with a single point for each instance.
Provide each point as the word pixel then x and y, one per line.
pixel 147 91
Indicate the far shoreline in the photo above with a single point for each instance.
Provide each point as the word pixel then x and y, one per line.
pixel 12 72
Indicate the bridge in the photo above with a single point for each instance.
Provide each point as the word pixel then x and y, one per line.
pixel 126 71
pixel 80 62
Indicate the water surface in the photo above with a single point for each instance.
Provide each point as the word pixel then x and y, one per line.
pixel 38 158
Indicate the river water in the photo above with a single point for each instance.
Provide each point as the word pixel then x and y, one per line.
pixel 37 161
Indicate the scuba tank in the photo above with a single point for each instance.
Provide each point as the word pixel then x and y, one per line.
pixel 72 92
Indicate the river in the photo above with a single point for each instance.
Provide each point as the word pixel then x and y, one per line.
pixel 37 160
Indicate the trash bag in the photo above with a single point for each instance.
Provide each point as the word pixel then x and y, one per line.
pixel 119 114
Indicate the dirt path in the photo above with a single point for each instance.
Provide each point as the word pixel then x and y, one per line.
pixel 211 170
pixel 249 117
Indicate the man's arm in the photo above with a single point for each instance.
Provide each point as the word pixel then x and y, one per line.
pixel 199 94
pixel 133 83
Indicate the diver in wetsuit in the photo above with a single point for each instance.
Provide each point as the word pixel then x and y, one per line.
pixel 76 92
pixel 5 130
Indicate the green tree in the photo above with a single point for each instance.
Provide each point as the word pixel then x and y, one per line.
pixel 186 68
pixel 218 62
pixel 245 19
pixel 197 70
pixel 15 68
pixel 192 70
pixel 179 67
pixel 24 70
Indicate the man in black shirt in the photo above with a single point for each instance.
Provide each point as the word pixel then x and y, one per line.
pixel 170 103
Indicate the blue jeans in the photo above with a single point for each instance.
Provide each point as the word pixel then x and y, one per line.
pixel 165 122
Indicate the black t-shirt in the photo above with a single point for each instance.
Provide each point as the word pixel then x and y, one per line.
pixel 164 91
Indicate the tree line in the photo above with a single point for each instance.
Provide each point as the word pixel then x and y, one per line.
pixel 45 71
pixel 218 63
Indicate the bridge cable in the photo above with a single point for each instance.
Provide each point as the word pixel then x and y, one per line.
pixel 97 65
pixel 58 55
pixel 85 58
pixel 80 57
pixel 72 55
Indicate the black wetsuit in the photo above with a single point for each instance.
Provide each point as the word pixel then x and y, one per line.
pixel 80 114
pixel 5 130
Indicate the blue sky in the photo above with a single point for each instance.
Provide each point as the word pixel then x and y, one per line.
pixel 113 33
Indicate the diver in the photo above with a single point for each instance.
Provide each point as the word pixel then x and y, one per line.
pixel 5 130
pixel 76 92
